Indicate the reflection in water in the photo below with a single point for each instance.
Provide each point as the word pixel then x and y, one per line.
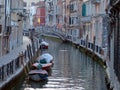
pixel 63 62
pixel 38 85
pixel 72 70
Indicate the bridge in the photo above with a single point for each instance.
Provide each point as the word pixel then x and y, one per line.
pixel 50 32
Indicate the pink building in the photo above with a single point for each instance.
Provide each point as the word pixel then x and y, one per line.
pixel 59 13
pixel 39 17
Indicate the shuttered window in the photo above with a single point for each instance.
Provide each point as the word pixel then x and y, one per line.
pixel 83 10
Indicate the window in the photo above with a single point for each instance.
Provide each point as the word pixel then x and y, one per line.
pixel 83 10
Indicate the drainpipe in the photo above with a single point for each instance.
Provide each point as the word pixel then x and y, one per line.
pixel 4 38
pixel 6 33
pixel 87 41
pixel 94 38
pixel 5 15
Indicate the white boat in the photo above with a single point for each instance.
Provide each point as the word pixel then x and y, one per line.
pixel 46 56
pixel 45 62
pixel 44 45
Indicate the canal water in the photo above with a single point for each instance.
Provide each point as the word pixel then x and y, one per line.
pixel 72 70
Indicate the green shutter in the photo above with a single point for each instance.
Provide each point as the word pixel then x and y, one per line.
pixel 83 10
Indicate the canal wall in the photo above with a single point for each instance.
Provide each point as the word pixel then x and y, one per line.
pixel 15 64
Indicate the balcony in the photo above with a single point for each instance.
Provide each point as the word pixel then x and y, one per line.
pixel 96 1
pixel 86 19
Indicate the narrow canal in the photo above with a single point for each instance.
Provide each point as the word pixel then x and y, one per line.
pixel 72 70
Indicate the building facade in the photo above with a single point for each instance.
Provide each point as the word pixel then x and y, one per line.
pixel 113 62
pixel 7 27
pixel 16 37
pixel 30 11
pixel 39 17
pixel 11 25
pixel 86 19
pixel 50 6
pixel 2 24
pixel 59 14
pixel 65 14
pixel 94 23
pixel 74 28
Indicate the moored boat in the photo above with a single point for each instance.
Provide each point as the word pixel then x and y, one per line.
pixel 46 66
pixel 44 45
pixel 42 66
pixel 38 75
pixel 44 62
pixel 45 58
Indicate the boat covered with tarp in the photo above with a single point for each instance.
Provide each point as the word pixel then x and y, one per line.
pixel 44 45
pixel 38 75
pixel 45 58
pixel 44 62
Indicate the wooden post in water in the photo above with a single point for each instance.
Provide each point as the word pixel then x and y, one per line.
pixel 22 62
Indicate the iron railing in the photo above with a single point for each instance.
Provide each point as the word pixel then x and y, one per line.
pixel 96 1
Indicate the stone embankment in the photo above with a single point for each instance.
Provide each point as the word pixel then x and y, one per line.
pixel 12 65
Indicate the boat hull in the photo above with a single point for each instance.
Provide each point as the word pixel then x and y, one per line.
pixel 43 66
pixel 38 75
pixel 43 47
pixel 46 66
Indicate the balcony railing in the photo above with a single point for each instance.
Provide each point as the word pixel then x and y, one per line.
pixel 96 1
pixel 86 19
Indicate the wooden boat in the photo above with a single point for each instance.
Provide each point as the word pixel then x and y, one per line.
pixel 38 75
pixel 44 62
pixel 42 66
pixel 46 66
